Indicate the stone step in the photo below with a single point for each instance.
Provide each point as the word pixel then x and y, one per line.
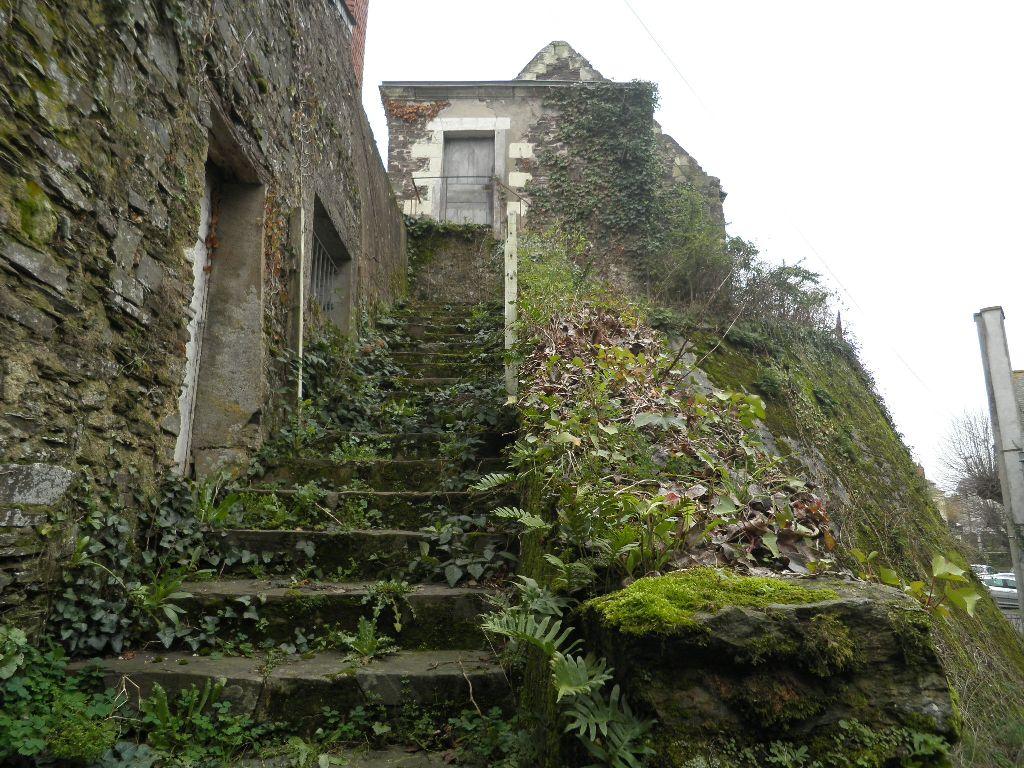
pixel 445 364
pixel 445 344
pixel 393 757
pixel 419 329
pixel 397 445
pixel 454 334
pixel 433 615
pixel 397 757
pixel 414 356
pixel 404 385
pixel 372 554
pixel 296 690
pixel 409 510
pixel 403 445
pixel 441 315
pixel 382 475
pixel 432 306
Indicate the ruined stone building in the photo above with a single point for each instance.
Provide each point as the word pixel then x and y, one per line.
pixel 468 151
pixel 183 187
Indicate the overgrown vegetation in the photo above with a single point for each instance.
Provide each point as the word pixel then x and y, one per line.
pixel 602 175
pixel 633 465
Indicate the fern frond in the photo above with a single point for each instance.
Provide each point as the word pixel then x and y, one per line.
pixel 491 481
pixel 590 715
pixel 545 634
pixel 576 675
pixel 521 516
pixel 623 735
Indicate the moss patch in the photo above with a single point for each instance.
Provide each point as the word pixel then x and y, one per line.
pixel 664 604
pixel 828 647
pixel 847 744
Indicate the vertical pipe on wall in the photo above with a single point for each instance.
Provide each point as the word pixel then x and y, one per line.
pixel 302 298
pixel 511 298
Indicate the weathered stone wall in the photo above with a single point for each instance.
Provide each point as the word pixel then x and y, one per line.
pixel 110 113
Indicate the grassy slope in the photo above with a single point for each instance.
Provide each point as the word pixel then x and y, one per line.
pixel 824 401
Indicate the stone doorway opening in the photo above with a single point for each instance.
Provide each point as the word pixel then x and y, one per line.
pixel 223 392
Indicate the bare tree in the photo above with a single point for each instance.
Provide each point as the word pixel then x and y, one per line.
pixel 968 458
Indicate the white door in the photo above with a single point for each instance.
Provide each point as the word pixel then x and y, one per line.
pixel 467 189
pixel 199 256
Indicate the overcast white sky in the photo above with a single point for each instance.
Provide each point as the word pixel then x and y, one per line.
pixel 889 133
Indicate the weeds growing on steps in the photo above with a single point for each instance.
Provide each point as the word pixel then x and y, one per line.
pixel 124 587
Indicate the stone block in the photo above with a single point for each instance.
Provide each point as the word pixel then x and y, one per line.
pixel 520 149
pixel 726 662
pixel 150 272
pixel 42 484
pixel 24 314
pixel 518 178
pixel 42 266
pixel 20 518
pixel 126 243
pixel 68 188
pixel 126 286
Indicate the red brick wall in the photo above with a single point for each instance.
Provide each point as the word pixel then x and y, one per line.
pixel 359 10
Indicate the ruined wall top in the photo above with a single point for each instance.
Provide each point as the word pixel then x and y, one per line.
pixel 559 61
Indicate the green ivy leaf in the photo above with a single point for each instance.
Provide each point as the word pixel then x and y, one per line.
pixel 964 598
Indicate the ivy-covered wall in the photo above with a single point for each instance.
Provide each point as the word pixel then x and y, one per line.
pixel 107 108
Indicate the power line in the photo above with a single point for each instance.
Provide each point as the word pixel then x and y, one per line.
pixel 792 223
pixel 667 57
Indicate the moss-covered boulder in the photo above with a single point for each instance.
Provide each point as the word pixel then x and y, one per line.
pixel 751 671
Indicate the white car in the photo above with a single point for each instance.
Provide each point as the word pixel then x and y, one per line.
pixel 1003 588
pixel 983 570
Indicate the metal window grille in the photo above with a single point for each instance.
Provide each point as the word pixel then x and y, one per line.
pixel 324 271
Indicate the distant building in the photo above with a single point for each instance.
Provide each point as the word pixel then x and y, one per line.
pixel 467 151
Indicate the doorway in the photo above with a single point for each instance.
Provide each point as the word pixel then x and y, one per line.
pixel 223 390
pixel 467 186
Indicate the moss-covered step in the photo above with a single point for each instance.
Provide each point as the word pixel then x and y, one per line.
pixel 427 329
pixel 393 757
pixel 420 363
pixel 463 339
pixel 296 690
pixel 404 385
pixel 363 554
pixel 396 445
pixel 444 344
pixel 432 616
pixel 736 669
pixel 406 510
pixel 381 475
pixel 445 316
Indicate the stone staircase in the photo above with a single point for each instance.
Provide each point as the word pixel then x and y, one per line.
pixel 443 665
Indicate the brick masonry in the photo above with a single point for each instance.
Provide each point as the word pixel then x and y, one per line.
pixel 108 112
pixel 360 10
